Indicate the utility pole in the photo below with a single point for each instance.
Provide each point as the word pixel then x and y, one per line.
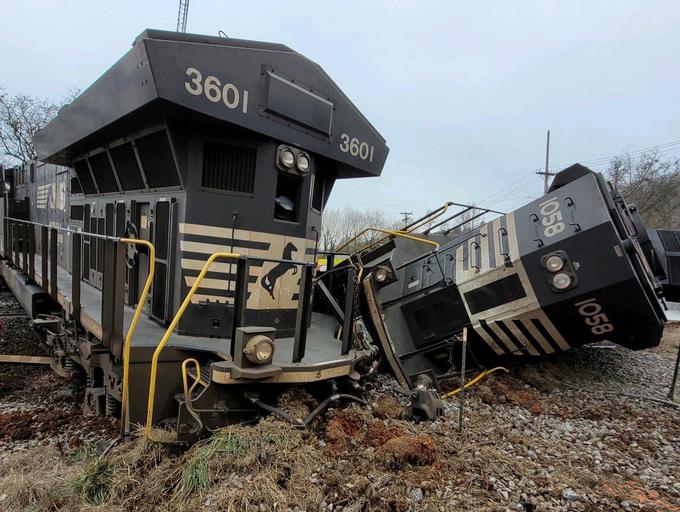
pixel 407 216
pixel 546 174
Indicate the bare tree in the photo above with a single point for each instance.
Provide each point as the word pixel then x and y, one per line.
pixel 652 184
pixel 21 116
pixel 341 226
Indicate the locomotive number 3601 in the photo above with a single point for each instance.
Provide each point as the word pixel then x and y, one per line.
pixel 213 89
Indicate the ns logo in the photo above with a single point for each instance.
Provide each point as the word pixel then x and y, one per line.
pixel 269 280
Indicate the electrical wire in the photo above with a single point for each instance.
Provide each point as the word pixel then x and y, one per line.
pixel 663 148
pixel 475 380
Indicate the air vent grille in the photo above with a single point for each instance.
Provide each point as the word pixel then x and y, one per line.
pixel 228 167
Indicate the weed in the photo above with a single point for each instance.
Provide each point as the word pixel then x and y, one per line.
pixel 93 487
pixel 196 474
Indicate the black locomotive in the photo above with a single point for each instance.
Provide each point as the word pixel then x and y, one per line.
pixel 565 270
pixel 166 244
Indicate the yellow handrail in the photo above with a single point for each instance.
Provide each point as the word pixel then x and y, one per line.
pixel 133 324
pixel 430 217
pixel 389 232
pixel 168 333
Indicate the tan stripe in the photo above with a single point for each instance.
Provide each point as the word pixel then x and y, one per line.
pixel 512 236
pixel 522 338
pixel 488 339
pixel 504 337
pixel 215 284
pixel 484 246
pixel 460 274
pixel 191 264
pixel 239 234
pixel 288 376
pixel 537 335
pixel 473 263
pixel 198 297
pixel 495 228
pixel 205 248
pixel 552 330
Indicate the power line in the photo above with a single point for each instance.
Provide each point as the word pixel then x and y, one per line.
pixel 516 185
pixel 667 146
pixel 530 174
pixel 407 216
pixel 512 192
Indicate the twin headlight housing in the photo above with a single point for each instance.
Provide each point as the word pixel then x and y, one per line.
pixel 559 271
pixel 292 160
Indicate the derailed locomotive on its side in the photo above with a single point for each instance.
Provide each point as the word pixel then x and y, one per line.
pixel 565 270
pixel 223 152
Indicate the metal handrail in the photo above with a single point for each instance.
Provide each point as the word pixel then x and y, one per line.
pixel 168 333
pixel 428 217
pixel 66 230
pixel 388 232
pixel 127 344
pixel 407 229
pixel 185 381
pixel 133 325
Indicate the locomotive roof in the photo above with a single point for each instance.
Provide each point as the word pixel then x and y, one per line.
pixel 267 88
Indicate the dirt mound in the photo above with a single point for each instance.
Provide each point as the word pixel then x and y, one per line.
pixel 418 450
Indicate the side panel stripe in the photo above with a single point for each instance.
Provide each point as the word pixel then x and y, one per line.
pixel 489 340
pixel 533 332
pixel 503 337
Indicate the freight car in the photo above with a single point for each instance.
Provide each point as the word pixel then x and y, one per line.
pixel 167 241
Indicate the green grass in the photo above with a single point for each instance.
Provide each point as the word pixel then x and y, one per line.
pixel 94 485
pixel 196 474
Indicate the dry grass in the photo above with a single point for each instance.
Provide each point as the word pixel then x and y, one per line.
pixel 31 479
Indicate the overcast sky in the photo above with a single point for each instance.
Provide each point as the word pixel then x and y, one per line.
pixel 462 91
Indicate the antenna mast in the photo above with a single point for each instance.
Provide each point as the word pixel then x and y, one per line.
pixel 182 15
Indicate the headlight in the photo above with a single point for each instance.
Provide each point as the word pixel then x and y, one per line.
pixel 561 281
pixel 287 158
pixel 554 263
pixel 302 162
pixel 381 274
pixel 259 349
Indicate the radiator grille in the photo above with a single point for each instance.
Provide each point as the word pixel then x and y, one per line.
pixel 228 167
